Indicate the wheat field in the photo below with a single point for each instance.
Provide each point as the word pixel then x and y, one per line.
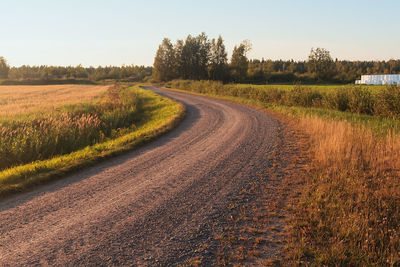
pixel 37 124
pixel 21 99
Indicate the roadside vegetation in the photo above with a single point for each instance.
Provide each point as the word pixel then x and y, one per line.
pixel 53 138
pixel 381 101
pixel 348 208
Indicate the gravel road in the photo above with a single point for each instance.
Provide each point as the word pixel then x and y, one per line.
pixel 153 206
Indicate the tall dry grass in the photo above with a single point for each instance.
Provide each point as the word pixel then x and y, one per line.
pixel 349 211
pixel 20 99
pixel 72 127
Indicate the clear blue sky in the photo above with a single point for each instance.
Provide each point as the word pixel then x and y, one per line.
pixel 98 32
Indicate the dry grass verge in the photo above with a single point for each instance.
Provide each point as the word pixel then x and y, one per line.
pixel 349 210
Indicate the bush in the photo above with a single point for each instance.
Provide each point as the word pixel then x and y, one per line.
pixel 304 96
pixel 338 99
pixel 361 101
pixel 388 102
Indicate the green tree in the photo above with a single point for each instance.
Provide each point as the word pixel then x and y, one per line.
pixel 239 61
pixel 4 68
pixel 186 55
pixel 165 62
pixel 193 56
pixel 202 56
pixel 218 60
pixel 320 62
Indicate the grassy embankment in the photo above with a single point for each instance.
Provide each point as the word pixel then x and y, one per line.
pixel 348 211
pixel 48 131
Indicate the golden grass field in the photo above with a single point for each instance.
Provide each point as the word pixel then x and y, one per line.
pixel 20 99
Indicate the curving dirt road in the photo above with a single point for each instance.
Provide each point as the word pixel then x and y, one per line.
pixel 153 206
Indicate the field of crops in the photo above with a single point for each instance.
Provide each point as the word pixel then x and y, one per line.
pixel 23 99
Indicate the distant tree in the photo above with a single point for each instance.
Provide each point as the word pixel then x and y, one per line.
pixel 255 71
pixel 192 56
pixel 394 66
pixel 218 60
pixel 239 61
pixel 4 68
pixel 320 62
pixel 203 56
pixel 185 52
pixel 164 62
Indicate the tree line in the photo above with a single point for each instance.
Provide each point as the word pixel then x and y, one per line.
pixel 201 58
pixel 45 73
pixel 198 57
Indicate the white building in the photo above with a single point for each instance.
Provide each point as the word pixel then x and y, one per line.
pixel 379 79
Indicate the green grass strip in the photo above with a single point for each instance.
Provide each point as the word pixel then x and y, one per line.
pixel 162 113
pixel 380 125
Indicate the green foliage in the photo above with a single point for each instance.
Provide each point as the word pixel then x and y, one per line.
pixel 58 74
pixel 304 96
pixel 193 58
pixel 218 60
pixel 239 62
pixel 4 68
pixel 199 58
pixel 165 62
pixel 361 101
pixel 321 63
pixel 388 101
pixel 338 99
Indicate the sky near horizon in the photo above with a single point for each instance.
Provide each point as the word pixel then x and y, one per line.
pixel 99 32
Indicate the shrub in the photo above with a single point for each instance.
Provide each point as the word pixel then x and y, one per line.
pixel 388 102
pixel 361 101
pixel 338 99
pixel 304 96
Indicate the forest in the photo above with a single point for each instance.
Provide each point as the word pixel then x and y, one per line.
pixel 45 73
pixel 201 58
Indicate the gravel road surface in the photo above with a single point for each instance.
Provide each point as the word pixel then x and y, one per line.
pixel 153 206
